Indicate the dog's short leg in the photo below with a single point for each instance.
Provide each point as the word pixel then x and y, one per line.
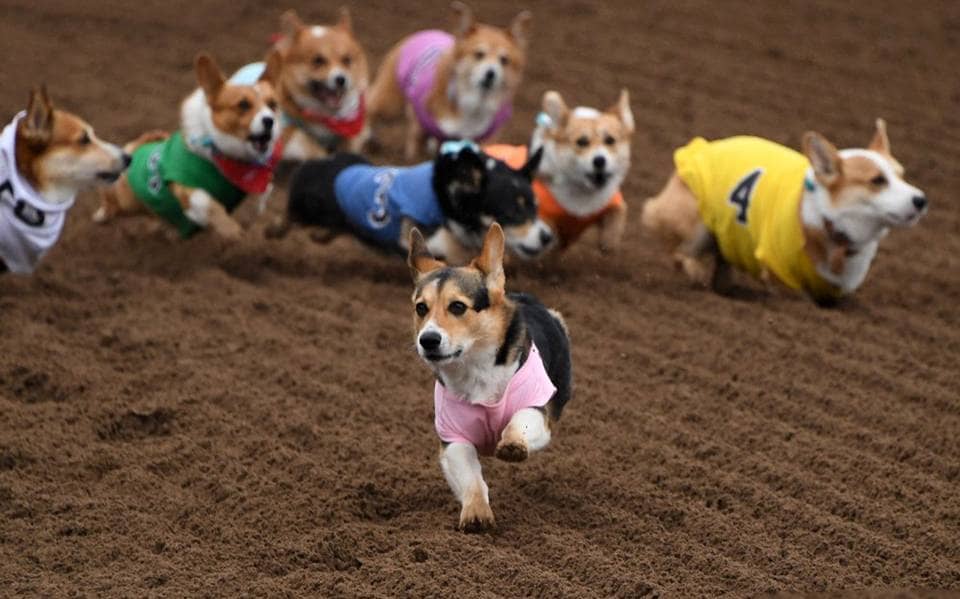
pixel 612 227
pixel 200 207
pixel 278 228
pixel 413 144
pixel 461 467
pixel 108 205
pixel 527 431
pixel 694 255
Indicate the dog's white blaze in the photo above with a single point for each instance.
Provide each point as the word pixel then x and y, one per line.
pixel 585 112
pixel 199 209
pixel 318 31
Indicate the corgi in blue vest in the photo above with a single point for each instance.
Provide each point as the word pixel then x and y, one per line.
pixel 454 199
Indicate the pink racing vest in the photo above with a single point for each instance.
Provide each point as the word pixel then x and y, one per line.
pixel 416 73
pixel 480 425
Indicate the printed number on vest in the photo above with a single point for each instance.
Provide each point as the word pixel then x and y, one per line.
pixel 27 214
pixel 743 193
pixel 379 215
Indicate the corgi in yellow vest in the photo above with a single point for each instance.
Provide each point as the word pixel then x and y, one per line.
pixel 812 221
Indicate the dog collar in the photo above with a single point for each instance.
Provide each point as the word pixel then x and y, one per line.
pixel 251 177
pixel 458 145
pixel 346 127
pixel 809 185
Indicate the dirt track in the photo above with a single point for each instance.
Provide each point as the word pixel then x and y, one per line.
pixel 192 419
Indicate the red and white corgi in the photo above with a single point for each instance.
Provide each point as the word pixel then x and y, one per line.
pixel 586 156
pixel 322 87
pixel 47 156
pixel 225 151
pixel 452 86
pixel 502 364
pixel 812 221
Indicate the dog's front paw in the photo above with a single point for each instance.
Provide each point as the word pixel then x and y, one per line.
pixel 230 230
pixel 512 450
pixel 476 516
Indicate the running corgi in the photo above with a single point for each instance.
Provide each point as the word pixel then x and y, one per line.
pixel 502 363
pixel 47 156
pixel 813 221
pixel 227 149
pixel 452 86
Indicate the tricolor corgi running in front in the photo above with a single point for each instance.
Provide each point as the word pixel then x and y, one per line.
pixel 46 157
pixel 502 362
pixel 813 221
pixel 226 150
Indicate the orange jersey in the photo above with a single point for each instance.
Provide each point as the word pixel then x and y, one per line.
pixel 568 227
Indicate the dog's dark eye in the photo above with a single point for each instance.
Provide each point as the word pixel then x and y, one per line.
pixel 422 309
pixel 457 308
pixel 583 141
pixel 879 180
pixel 244 105
pixel 346 60
pixel 319 60
pixel 479 54
pixel 84 139
pixel 504 60
pixel 272 104
pixel 609 140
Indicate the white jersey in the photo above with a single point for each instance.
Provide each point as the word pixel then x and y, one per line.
pixel 29 225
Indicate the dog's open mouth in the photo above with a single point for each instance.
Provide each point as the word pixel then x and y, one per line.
pixel 438 357
pixel 109 176
pixel 260 142
pixel 331 97
pixel 598 178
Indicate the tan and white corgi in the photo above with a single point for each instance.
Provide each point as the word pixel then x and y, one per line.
pixel 452 86
pixel 586 156
pixel 502 364
pixel 812 221
pixel 47 156
pixel 322 86
pixel 225 151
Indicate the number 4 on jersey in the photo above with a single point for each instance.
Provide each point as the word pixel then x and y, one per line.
pixel 743 193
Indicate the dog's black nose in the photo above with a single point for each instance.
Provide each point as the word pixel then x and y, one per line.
pixel 430 340
pixel 126 159
pixel 599 162
pixel 340 81
pixel 488 77
pixel 545 236
pixel 920 202
pixel 267 122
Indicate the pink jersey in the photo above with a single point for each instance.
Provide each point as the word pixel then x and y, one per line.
pixel 459 421
pixel 416 72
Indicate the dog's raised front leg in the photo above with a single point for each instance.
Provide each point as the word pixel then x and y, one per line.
pixel 612 226
pixel 200 207
pixel 461 467
pixel 527 431
pixel 413 144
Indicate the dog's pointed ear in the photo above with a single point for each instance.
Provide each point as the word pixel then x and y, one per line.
pixel 529 170
pixel 209 75
pixel 520 28
pixel 490 262
pixel 271 72
pixel 880 142
pixel 419 258
pixel 556 108
pixel 823 156
pixel 622 111
pixel 290 24
pixel 464 22
pixel 346 21
pixel 37 126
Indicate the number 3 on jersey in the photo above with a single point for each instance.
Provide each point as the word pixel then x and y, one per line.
pixel 743 193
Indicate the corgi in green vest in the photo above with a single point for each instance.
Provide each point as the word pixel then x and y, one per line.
pixel 226 150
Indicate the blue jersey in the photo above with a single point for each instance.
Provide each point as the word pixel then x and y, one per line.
pixel 376 199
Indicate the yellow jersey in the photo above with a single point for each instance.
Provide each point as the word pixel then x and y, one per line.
pixel 748 190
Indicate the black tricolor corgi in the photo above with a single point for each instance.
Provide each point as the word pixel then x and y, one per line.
pixel 502 362
pixel 454 198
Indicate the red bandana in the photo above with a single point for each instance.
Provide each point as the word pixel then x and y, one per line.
pixel 251 177
pixel 347 128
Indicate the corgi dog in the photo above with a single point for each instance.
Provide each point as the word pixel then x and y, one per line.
pixel 47 156
pixel 502 364
pixel 321 86
pixel 452 86
pixel 812 221
pixel 586 156
pixel 226 149
pixel 456 197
